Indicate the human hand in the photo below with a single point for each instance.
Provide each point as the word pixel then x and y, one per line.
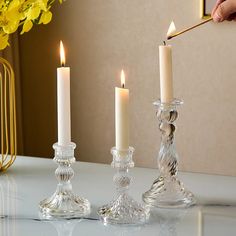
pixel 224 10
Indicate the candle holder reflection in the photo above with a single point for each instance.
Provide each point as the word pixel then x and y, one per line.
pixel 63 203
pixel 167 190
pixel 169 220
pixel 117 230
pixel 64 228
pixel 123 209
pixel 8 205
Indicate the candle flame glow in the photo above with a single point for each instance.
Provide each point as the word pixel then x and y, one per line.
pixel 171 29
pixel 122 78
pixel 62 54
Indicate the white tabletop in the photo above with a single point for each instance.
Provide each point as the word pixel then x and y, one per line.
pixel 30 180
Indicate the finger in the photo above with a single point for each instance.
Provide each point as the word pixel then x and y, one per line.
pixel 231 17
pixel 224 10
pixel 218 2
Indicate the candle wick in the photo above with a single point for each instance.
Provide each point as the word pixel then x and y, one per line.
pixel 164 43
pixel 63 64
pixel 123 85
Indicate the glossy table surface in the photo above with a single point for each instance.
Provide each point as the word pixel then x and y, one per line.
pixel 30 180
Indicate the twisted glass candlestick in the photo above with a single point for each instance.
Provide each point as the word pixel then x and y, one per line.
pixel 123 209
pixel 63 203
pixel 167 190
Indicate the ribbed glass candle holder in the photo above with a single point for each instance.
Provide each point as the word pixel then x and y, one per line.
pixel 63 203
pixel 167 190
pixel 123 209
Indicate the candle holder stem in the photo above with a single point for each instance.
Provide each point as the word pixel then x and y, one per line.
pixel 123 209
pixel 167 190
pixel 63 203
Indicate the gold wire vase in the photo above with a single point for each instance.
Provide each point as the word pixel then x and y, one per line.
pixel 8 140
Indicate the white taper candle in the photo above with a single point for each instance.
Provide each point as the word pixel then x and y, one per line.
pixel 166 82
pixel 122 115
pixel 165 61
pixel 63 101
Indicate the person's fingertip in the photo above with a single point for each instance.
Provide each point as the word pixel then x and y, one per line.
pixel 217 17
pixel 225 11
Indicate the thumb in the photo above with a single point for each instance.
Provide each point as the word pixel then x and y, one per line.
pixel 224 10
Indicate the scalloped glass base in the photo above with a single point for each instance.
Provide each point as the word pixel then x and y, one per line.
pixel 123 210
pixel 64 205
pixel 168 193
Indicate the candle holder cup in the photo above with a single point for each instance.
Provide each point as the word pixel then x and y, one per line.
pixel 63 203
pixel 123 209
pixel 167 190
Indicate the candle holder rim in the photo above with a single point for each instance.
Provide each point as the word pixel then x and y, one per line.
pixel 174 102
pixel 69 145
pixel 122 158
pixel 115 150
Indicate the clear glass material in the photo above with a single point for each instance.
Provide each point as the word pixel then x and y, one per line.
pixel 64 227
pixel 167 190
pixel 123 209
pixel 63 203
pixel 170 221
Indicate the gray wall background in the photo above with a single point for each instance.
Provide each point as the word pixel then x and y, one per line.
pixel 101 37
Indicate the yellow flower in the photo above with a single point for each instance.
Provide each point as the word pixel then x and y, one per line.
pixel 43 4
pixel 3 41
pixel 33 13
pixel 25 13
pixel 46 17
pixel 10 20
pixel 26 26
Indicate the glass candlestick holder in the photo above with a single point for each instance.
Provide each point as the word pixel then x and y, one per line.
pixel 63 203
pixel 167 190
pixel 123 209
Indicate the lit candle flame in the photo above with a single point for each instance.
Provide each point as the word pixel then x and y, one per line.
pixel 62 54
pixel 122 78
pixel 171 29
